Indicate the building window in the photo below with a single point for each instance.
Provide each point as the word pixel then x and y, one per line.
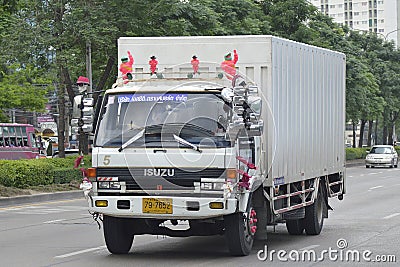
pixel 381 30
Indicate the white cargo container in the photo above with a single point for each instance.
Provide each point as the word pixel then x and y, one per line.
pixel 303 87
pixel 296 142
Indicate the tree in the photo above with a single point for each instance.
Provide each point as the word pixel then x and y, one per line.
pixel 18 90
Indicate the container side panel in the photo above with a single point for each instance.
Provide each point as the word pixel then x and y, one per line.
pixel 307 112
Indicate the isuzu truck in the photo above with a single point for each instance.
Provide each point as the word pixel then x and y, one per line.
pixel 185 148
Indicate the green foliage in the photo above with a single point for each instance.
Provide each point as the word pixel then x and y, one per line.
pixel 356 153
pixel 18 90
pixel 67 162
pixel 64 176
pixel 25 173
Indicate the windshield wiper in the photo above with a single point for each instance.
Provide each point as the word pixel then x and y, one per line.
pixel 130 141
pixel 184 142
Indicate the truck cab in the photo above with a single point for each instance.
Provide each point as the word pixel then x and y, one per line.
pixel 169 150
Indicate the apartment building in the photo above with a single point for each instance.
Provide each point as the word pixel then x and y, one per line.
pixel 379 16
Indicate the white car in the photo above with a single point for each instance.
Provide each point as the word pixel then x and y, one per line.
pixel 382 155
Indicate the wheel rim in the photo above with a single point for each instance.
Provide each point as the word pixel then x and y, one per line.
pixel 250 227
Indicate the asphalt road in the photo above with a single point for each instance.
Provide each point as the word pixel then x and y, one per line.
pixel 62 233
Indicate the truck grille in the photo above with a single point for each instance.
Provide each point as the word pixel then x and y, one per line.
pixel 149 179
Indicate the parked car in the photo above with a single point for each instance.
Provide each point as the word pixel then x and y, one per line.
pixel 382 155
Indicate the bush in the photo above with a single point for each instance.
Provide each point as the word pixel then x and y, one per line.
pixel 8 172
pixel 356 153
pixel 25 173
pixel 65 176
pixel 67 162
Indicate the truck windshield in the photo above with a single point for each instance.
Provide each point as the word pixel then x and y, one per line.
pixel 198 118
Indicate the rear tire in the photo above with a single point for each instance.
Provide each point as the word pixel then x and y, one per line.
pixel 295 227
pixel 117 234
pixel 238 232
pixel 314 219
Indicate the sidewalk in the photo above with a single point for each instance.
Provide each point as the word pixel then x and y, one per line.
pixel 8 201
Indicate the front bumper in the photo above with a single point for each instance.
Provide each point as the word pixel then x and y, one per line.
pixel 378 162
pixel 182 207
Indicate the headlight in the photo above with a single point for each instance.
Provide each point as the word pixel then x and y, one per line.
pixel 115 185
pixel 104 185
pixel 109 185
pixel 212 184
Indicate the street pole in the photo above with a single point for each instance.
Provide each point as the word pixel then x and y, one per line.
pixel 89 65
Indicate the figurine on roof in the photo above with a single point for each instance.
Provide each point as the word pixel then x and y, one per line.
pixel 228 65
pixel 126 66
pixel 195 64
pixel 153 65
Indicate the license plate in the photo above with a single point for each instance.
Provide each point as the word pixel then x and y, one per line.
pixel 157 205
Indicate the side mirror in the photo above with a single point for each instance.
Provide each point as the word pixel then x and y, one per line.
pixel 255 104
pixel 254 124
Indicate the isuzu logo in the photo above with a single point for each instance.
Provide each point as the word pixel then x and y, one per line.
pixel 159 172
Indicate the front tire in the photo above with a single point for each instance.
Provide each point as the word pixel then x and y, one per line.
pixel 314 218
pixel 295 227
pixel 117 234
pixel 239 232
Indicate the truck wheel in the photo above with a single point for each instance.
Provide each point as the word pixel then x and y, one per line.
pixel 117 235
pixel 314 219
pixel 295 227
pixel 239 232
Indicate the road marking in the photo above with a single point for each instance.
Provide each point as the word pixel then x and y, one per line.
pixel 375 187
pixel 53 221
pixel 391 216
pixel 80 252
pixel 39 204
pixel 309 247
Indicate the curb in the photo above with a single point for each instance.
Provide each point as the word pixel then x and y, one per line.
pixel 8 201
pixel 353 163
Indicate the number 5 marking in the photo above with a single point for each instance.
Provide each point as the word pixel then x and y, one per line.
pixel 106 160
